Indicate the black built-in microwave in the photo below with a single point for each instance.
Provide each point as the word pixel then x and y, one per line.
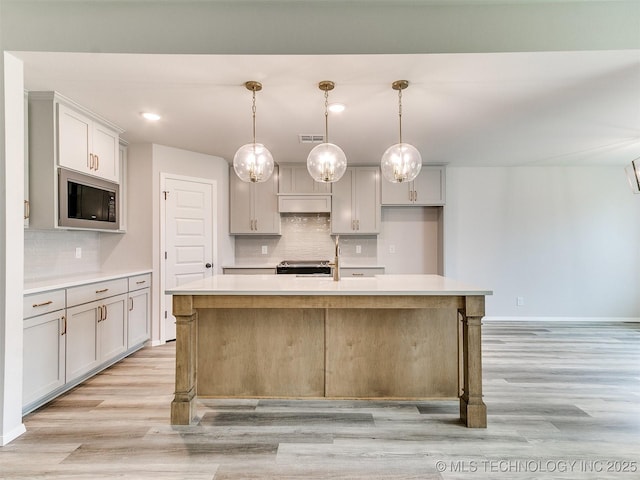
pixel 87 202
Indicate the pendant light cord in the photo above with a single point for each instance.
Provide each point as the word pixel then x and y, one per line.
pixel 253 110
pixel 326 116
pixel 400 112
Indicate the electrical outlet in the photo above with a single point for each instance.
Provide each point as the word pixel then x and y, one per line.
pixel 392 249
pixel 520 301
pixel 78 252
pixel 358 248
pixel 265 250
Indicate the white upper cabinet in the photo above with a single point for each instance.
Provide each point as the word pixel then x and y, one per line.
pixel 86 145
pixel 253 207
pixel 428 189
pixel 355 205
pixel 295 179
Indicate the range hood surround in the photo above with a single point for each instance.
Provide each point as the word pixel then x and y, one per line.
pixel 304 203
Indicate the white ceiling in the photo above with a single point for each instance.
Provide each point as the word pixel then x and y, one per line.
pixel 548 108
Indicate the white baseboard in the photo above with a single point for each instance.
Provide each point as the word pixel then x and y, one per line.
pixel 12 435
pixel 562 319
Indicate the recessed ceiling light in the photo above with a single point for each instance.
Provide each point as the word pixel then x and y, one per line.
pixel 337 107
pixel 153 117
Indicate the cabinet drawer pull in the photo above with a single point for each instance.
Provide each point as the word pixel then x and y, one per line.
pixel 104 308
pixel 64 323
pixel 97 162
pixel 357 274
pixel 140 282
pixel 130 303
pixel 27 209
pixel 90 161
pixel 36 305
pixel 102 291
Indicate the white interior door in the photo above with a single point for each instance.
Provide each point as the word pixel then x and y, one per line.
pixel 188 237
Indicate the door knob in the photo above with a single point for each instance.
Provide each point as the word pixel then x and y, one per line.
pixel 208 265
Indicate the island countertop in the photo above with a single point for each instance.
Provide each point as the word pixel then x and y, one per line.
pixel 406 285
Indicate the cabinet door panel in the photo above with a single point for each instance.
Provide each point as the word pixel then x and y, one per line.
pixel 74 139
pixel 82 340
pixel 429 186
pixel 342 204
pixel 138 317
pixel 367 200
pixel 113 328
pixel 396 193
pixel 267 218
pixel 240 202
pixel 105 146
pixel 43 356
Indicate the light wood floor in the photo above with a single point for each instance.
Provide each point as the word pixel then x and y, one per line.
pixel 563 402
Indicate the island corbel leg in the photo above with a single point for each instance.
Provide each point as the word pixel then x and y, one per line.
pixel 473 411
pixel 183 406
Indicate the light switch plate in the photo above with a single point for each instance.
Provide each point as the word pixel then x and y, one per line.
pixel 265 250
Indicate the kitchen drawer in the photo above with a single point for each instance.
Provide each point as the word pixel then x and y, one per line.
pixel 44 302
pixel 361 271
pixel 95 291
pixel 139 281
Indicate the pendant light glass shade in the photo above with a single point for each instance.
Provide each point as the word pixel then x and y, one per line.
pixel 401 162
pixel 253 162
pixel 326 162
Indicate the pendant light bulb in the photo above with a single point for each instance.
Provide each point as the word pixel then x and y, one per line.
pixel 253 162
pixel 326 162
pixel 401 162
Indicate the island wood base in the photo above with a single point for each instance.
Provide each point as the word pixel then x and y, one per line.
pixel 328 346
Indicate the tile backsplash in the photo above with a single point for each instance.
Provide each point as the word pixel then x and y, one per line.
pixel 305 236
pixel 50 254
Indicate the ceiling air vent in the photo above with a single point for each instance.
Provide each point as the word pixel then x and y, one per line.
pixel 304 138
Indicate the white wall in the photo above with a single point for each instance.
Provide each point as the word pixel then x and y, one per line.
pixel 565 239
pixel 11 245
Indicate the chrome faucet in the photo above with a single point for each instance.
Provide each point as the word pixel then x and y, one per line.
pixel 336 261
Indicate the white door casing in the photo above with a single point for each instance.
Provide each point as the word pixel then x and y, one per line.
pixel 188 242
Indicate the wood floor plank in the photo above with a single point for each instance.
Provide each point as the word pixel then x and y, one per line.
pixel 555 392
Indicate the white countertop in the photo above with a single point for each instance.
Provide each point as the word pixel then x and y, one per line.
pixel 48 284
pixel 293 285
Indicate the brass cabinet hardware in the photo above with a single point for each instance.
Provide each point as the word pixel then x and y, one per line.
pixel 141 282
pixel 64 325
pixel 131 303
pixel 102 291
pixel 27 209
pixel 36 305
pixel 105 312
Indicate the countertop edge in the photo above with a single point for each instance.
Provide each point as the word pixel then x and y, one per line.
pixel 75 280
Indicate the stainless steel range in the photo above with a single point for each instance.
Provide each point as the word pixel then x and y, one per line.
pixel 304 267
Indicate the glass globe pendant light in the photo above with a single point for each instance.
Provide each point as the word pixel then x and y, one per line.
pixel 327 162
pixel 401 162
pixel 253 162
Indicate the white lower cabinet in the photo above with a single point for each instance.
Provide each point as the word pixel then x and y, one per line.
pixel 139 305
pixel 96 333
pixel 99 324
pixel 82 339
pixel 43 355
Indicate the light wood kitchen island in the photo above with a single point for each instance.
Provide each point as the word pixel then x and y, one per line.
pixel 389 336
